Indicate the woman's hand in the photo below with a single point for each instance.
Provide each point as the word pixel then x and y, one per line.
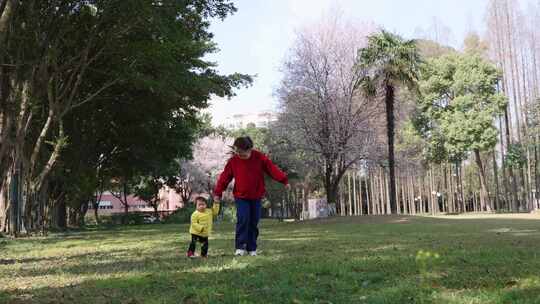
pixel 288 187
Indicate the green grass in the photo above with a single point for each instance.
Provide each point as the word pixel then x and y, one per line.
pixel 339 260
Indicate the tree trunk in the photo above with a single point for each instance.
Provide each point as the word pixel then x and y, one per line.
pixel 61 214
pixel 412 202
pixel 385 189
pixel 331 195
pixel 83 209
pixel 403 189
pixel 44 208
pixel 156 212
pixel 536 173
pixel 422 192
pixel 15 217
pixel 377 193
pixel 460 187
pixel 513 183
pixel 96 212
pixel 349 192
pixel 369 194
pixel 72 214
pixel 360 196
pixel 513 68
pixel 389 102
pixel 305 202
pixel 398 202
pixel 510 169
pixel 342 205
pixel 374 192
pixel 432 194
pixel 446 193
pixel 355 198
pixel 507 112
pixel 427 192
pixel 504 204
pixel 524 105
pixel 4 205
pixel 7 11
pixel 97 200
pixel 449 208
pixel 523 189
pixel 485 201
pixel 496 177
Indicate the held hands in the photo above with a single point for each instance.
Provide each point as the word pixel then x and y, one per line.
pixel 217 199
pixel 288 187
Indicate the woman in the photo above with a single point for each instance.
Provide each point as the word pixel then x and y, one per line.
pixel 247 166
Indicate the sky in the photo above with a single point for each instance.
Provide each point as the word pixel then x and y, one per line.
pixel 256 38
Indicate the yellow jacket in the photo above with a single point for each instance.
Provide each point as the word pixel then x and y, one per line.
pixel 201 222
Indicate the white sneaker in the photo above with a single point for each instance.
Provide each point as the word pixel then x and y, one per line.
pixel 252 253
pixel 240 252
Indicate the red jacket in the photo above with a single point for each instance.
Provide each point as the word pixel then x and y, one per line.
pixel 248 176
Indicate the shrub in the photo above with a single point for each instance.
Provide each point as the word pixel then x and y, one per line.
pixel 181 216
pixel 129 219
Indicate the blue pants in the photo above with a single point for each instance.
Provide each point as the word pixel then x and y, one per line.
pixel 248 213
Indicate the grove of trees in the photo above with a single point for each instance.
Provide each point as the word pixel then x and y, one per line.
pixel 99 95
pixel 465 120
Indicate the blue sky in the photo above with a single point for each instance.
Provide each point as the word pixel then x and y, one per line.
pixel 256 38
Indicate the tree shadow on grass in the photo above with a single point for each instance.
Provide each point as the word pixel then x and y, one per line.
pixel 111 262
pixel 135 231
pixel 285 279
pixel 229 280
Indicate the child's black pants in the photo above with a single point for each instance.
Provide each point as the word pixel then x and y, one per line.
pixel 197 238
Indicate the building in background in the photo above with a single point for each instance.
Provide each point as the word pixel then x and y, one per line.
pixel 110 204
pixel 260 120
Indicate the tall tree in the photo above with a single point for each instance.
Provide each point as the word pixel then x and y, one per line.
pixel 459 102
pixel 323 108
pixel 391 62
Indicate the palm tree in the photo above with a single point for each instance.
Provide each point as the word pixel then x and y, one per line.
pixel 389 62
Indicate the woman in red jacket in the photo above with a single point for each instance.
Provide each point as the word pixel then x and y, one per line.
pixel 247 166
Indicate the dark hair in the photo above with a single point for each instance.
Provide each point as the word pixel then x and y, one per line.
pixel 202 199
pixel 243 143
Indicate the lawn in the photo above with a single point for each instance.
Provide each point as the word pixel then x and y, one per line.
pixel 392 259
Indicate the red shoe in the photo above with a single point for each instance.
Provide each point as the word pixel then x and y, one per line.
pixel 190 254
